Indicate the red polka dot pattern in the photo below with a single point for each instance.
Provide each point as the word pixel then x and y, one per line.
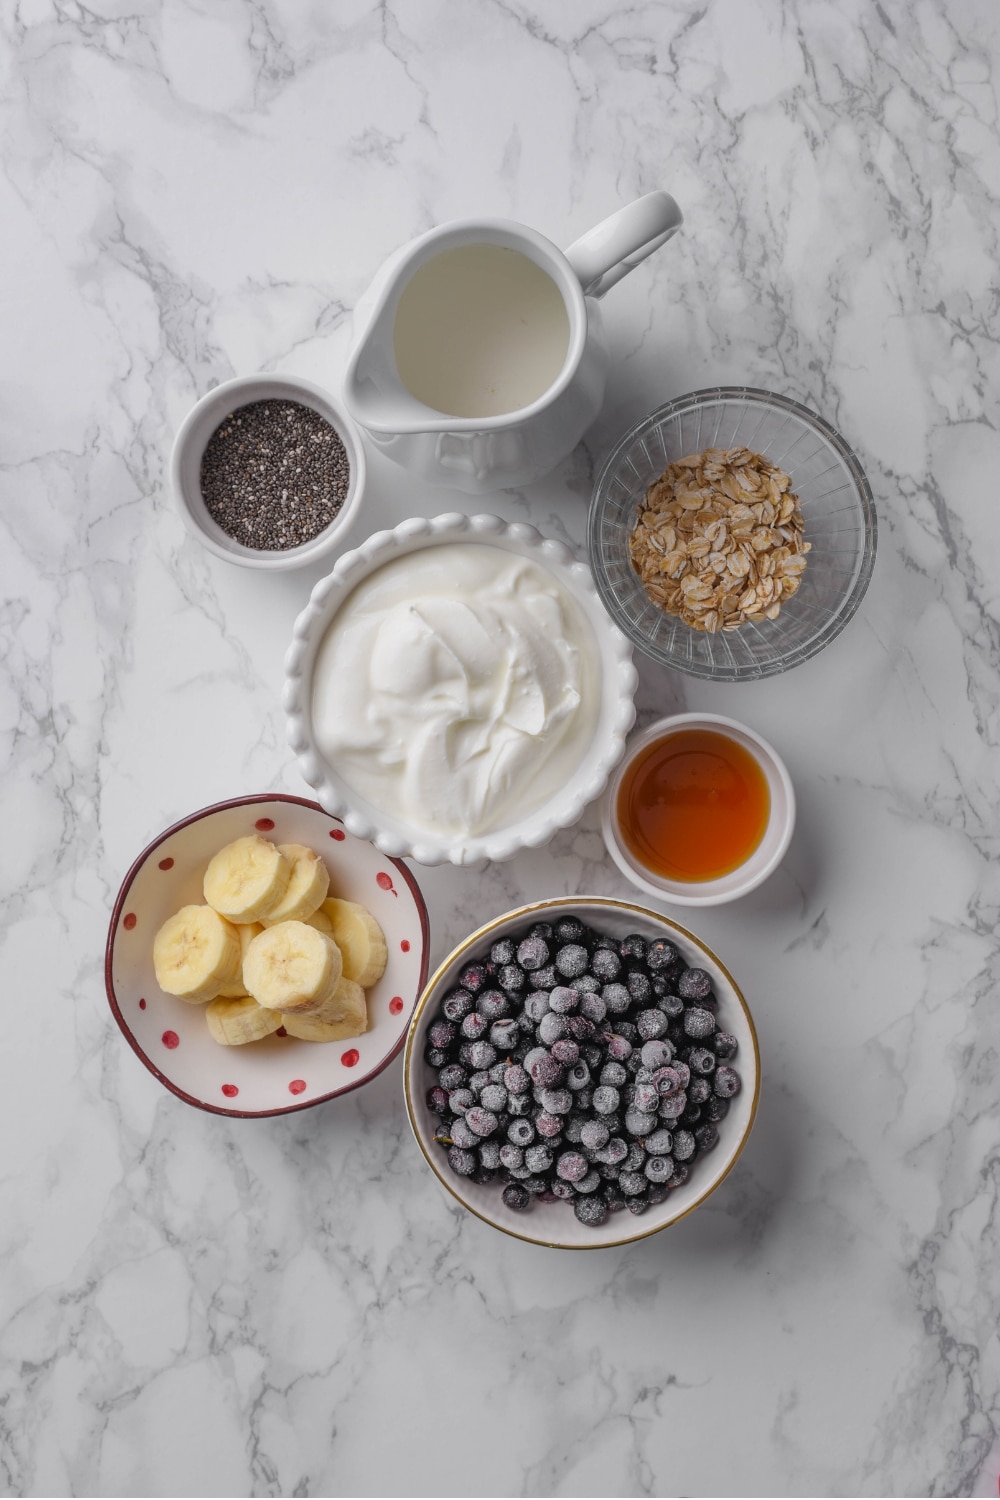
pixel 338 834
pixel 142 1005
pixel 297 1086
pixel 166 864
pixel 129 921
pixel 383 880
pixel 396 1004
pixel 264 824
pixel 170 1039
pixel 350 1057
pixel 230 1090
pixel 405 945
pixel 281 1031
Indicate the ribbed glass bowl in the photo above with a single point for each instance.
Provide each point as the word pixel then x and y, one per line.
pixel 837 509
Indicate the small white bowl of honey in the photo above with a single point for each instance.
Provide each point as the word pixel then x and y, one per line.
pixel 700 811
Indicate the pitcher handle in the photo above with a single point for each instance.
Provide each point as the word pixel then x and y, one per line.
pixel 614 247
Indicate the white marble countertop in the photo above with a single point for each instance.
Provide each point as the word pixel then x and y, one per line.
pixel 193 1305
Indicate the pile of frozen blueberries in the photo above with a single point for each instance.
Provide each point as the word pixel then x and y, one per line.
pixel 579 1066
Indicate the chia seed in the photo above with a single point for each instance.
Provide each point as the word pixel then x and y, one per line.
pixel 274 475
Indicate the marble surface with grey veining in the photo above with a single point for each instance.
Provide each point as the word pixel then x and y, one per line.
pixel 192 1305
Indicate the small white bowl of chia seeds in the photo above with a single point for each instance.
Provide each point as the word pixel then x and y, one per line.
pixel 268 471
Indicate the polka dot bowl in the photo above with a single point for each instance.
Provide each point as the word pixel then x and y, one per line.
pixel 279 1074
pixel 554 1224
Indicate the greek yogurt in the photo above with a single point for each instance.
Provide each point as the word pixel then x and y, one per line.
pixel 457 688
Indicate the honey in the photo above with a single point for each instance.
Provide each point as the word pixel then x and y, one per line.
pixel 693 805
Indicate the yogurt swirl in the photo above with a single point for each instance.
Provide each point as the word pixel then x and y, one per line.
pixel 457 688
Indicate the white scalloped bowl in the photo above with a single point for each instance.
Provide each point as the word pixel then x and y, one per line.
pixel 392 834
pixel 279 1074
pixel 554 1225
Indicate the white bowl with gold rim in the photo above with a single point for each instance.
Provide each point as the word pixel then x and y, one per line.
pixel 761 862
pixel 554 1224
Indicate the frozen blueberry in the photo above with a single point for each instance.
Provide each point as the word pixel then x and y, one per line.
pixel 437 1100
pixel 632 1183
pixel 633 947
pixel 707 1137
pixel 459 1100
pixel 673 1106
pixel 651 1024
pixel 457 1005
pixel 520 1132
pixel 585 1098
pixel 684 1145
pixel 700 1060
pixel 569 930
pixel 657 1192
pixel 591 1210
pixel 660 955
pixel 572 1166
pixel 628 1031
pixel 536 1005
pixel 512 977
pixel 680 1177
pixel 645 1098
pixel 727 1082
pixel 637 1205
pixel 504 1035
pixel 670 1004
pixel 605 965
pixel 462 1162
pixel 574 1124
pixel 516 1196
pixel 594 1134
pixel 619 1048
pixel 538 1157
pixel 614 1153
pixel 542 930
pixel 590 1183
pixel 571 960
pixel 638 1122
pixel 565 1051
pixel 659 1168
pixel 482 1121
pixel 578 1076
pixel 545 979
pixel 548 1125
pixel 493 1004
pixel 715 1109
pixel 519 1104
pixel 638 985
pixel 660 1142
pixel 533 953
pixel 581 1028
pixel 656 1053
pixel 593 1007
pixel 482 1054
pixel 453 1076
pixel 546 1072
pixel 585 984
pixel 511 1156
pixel 489 1155
pixel 435 1057
pixel 614 1074
pixel 474 1025
pixel 473 977
pixel 666 1080
pixel 593 1055
pixel 698 1022
pixel 555 1101
pixel 502 952
pixel 691 1116
pixel 563 1000
pixel 724 1045
pixel 533 1056
pixel 562 1189
pixel 478 1081
pixel 494 1097
pixel 698 1090
pixel 694 984
pixel 535 1185
pixel 617 999
pixel 552 1027
pixel 683 1072
pixel 606 1099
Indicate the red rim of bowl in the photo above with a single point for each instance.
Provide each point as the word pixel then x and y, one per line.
pixel 126 885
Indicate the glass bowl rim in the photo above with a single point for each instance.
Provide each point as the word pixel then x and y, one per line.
pixel 708 396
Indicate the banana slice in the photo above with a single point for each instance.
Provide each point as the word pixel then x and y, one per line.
pixel 359 938
pixel 232 1023
pixel 306 890
pixel 344 1015
pixel 246 932
pixel 321 922
pixel 247 878
pixel 292 968
pixel 195 952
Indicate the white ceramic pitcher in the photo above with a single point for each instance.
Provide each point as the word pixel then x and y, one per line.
pixel 479 452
